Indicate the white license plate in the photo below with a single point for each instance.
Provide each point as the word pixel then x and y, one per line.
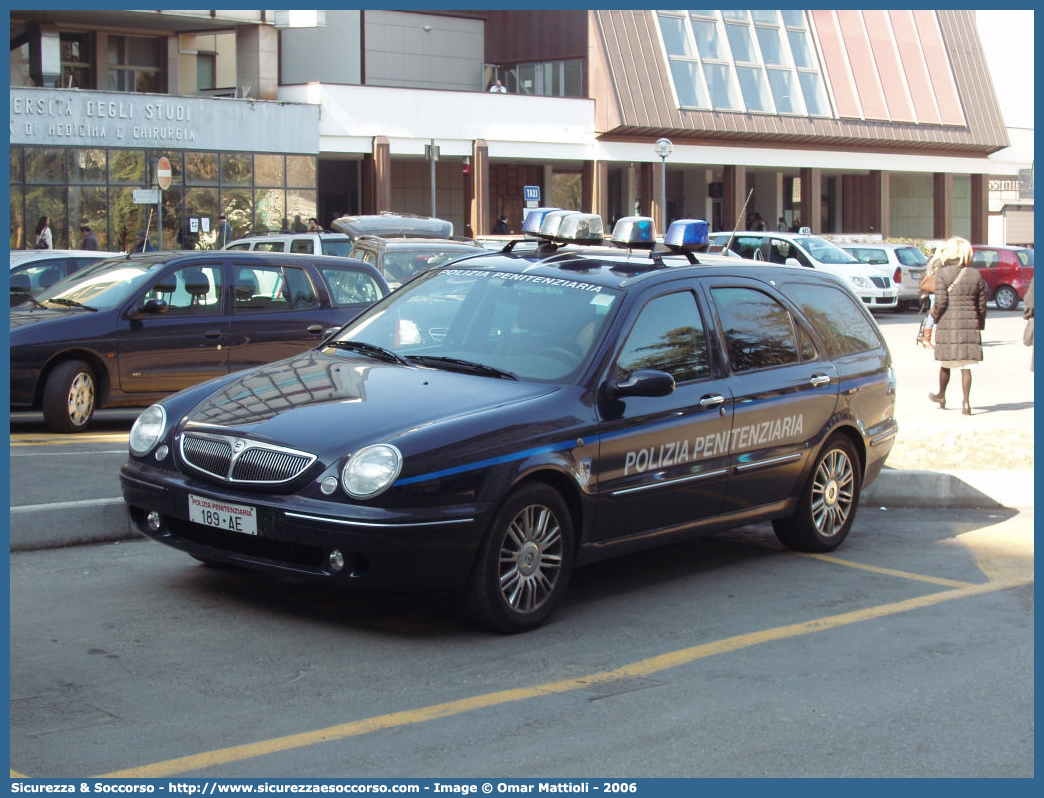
pixel 223 515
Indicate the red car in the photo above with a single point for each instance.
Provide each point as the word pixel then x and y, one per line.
pixel 1007 272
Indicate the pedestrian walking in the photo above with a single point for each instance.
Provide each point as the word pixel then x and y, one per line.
pixel 143 244
pixel 960 317
pixel 1027 314
pixel 501 227
pixel 224 232
pixel 88 240
pixel 44 239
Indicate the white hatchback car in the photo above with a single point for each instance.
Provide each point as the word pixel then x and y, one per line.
pixel 35 269
pixel 904 262
pixel 876 290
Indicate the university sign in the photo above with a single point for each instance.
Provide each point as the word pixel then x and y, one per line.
pixel 65 117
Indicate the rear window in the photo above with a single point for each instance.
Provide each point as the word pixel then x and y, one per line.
pixel 911 256
pixel 1025 257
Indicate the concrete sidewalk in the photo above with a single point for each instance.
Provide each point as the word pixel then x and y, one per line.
pixel 941 458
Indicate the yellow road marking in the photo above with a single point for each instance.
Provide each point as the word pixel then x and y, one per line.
pixel 932 580
pixel 641 668
pixel 50 440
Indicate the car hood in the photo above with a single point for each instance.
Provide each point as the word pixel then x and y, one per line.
pixel 23 317
pixel 316 400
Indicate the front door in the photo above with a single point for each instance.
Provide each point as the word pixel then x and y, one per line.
pixel 663 461
pixel 184 346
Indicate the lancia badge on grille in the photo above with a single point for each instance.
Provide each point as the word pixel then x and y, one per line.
pixel 238 446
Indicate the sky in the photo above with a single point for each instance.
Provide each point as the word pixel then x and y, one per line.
pixel 1007 38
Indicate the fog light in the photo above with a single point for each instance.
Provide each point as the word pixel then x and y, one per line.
pixel 162 452
pixel 328 485
pixel 154 520
pixel 336 560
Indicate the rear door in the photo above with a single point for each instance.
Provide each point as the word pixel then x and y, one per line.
pixel 278 310
pixel 784 391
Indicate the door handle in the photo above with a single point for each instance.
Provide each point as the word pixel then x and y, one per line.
pixel 711 401
pixel 315 329
pixel 213 335
pixel 820 379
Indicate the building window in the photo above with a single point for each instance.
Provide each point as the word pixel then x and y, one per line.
pixel 760 61
pixel 206 70
pixel 76 61
pixel 543 78
pixel 135 64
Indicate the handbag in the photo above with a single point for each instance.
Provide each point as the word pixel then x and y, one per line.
pixel 927 283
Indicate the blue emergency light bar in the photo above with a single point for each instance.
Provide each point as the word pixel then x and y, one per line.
pixel 687 235
pixel 634 232
pixel 534 219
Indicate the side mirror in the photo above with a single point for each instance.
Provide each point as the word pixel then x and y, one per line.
pixel 152 307
pixel 643 382
pixel 793 262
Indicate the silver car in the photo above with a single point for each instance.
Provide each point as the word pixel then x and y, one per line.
pixel 905 263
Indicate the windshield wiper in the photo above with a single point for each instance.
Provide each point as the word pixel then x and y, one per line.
pixel 464 365
pixel 372 350
pixel 34 300
pixel 72 303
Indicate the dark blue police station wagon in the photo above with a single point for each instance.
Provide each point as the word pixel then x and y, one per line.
pixel 504 419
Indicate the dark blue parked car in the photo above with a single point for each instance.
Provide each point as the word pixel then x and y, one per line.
pixel 500 420
pixel 129 330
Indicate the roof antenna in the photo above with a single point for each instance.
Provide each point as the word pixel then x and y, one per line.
pixel 743 210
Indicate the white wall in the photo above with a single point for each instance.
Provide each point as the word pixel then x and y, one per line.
pixel 328 54
pixel 400 52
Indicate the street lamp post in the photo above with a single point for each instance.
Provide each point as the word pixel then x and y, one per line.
pixel 663 148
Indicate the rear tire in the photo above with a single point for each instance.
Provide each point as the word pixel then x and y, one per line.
pixel 828 501
pixel 69 396
pixel 524 563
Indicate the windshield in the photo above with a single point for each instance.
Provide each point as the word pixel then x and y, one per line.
pixel 824 251
pixel 102 285
pixel 532 327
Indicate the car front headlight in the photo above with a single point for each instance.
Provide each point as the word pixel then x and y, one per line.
pixel 371 470
pixel 147 430
pixel 860 282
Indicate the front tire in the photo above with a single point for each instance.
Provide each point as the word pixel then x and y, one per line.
pixel 1006 297
pixel 828 501
pixel 524 563
pixel 69 396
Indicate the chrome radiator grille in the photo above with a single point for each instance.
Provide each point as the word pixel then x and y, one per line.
pixel 241 461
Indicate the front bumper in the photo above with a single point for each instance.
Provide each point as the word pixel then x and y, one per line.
pixel 422 549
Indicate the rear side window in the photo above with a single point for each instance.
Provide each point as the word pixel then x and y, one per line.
pixel 759 332
pixel 350 287
pixel 271 289
pixel 339 247
pixel 301 245
pixel 984 258
pixel 268 246
pixel 837 316
pixel 868 255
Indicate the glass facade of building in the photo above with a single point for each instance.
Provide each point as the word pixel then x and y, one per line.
pixel 259 193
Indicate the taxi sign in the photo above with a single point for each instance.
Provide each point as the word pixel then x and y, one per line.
pixel 531 193
pixel 163 173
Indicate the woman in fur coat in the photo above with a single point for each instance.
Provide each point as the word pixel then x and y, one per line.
pixel 960 316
